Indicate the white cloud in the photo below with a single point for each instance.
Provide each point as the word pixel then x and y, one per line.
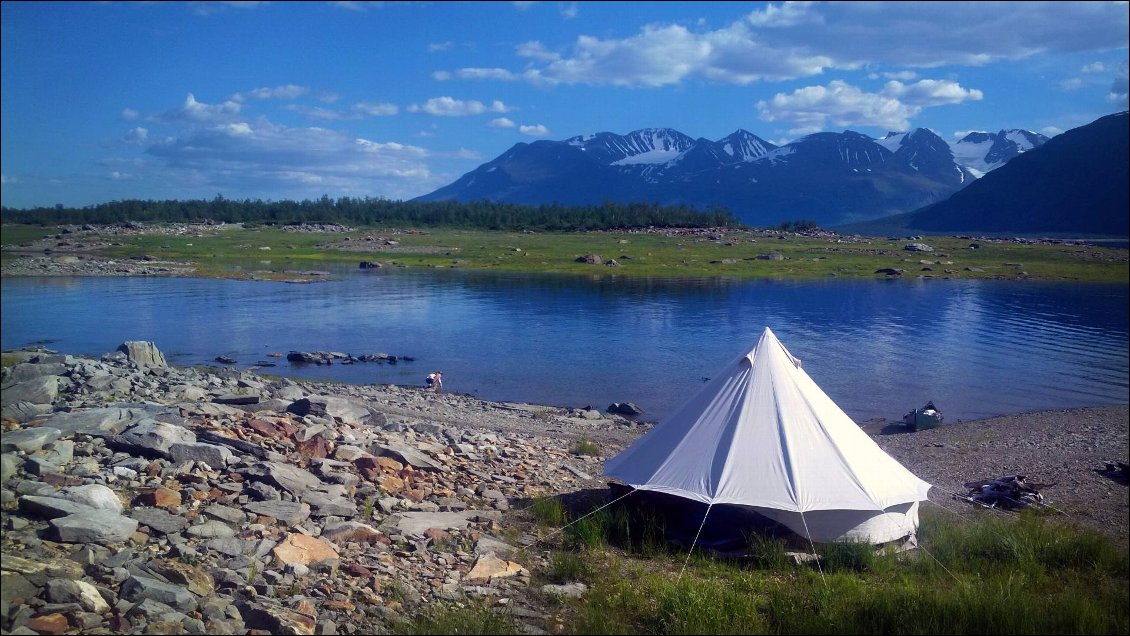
pixel 290 91
pixel 436 47
pixel 137 135
pixel 374 109
pixel 441 76
pixel 450 107
pixel 1051 131
pixel 1093 67
pixel 5 179
pixel 840 104
pixel 536 50
pixel 356 5
pixel 536 130
pixel 569 9
pixel 501 122
pixel 484 73
pixel 801 39
pixel 1120 88
pixel 200 112
pixel 129 114
pixel 929 92
pixel 522 5
pixel 265 159
pixel 1071 84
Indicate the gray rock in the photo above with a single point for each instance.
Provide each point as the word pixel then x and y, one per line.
pixel 143 353
pixel 415 523
pixel 80 592
pixel 143 587
pixel 23 411
pixel 9 466
pixel 225 513
pixel 97 526
pixel 325 504
pixel 156 436
pixel 405 455
pixel 94 495
pixel 14 585
pixel 286 476
pixel 30 370
pixel 41 390
pixel 29 440
pixel 51 507
pixel 291 513
pixel 215 456
pixel 343 409
pixel 229 546
pixel 159 520
pixel 211 530
pixel 99 421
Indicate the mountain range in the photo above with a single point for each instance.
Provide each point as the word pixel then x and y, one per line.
pixel 829 178
pixel 1078 183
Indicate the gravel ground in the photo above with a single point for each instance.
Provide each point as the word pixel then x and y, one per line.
pixel 1065 450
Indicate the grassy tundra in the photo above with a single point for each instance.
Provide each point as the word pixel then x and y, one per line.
pixel 232 251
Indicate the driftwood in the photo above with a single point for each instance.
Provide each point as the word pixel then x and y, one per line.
pixel 1006 492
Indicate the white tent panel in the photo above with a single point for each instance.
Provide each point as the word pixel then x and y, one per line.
pixel 763 434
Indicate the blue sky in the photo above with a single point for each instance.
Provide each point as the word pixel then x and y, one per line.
pixel 293 100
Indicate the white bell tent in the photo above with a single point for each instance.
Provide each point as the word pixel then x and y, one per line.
pixel 763 435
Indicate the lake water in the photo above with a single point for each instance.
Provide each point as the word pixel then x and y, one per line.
pixel 878 348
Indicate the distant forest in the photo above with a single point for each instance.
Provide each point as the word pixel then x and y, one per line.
pixel 484 215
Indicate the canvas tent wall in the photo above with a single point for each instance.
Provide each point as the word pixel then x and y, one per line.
pixel 762 434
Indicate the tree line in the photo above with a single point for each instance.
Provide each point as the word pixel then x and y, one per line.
pixel 488 215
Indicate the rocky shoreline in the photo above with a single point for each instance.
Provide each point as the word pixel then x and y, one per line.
pixel 140 497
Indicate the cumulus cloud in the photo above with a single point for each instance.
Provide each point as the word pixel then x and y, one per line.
pixel 200 112
pixel 137 135
pixel 501 122
pixel 536 50
pixel 537 130
pixel 1093 67
pixel 281 161
pixel 290 91
pixel 840 104
pixel 129 114
pixel 450 107
pixel 929 92
pixel 802 39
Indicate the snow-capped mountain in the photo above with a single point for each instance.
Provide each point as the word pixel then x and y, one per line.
pixel 831 178
pixel 1076 183
pixel 983 152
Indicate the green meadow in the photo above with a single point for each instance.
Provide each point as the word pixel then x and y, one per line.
pixel 270 252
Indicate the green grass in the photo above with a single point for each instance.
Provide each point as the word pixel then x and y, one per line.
pixel 235 252
pixel 585 447
pixel 1025 574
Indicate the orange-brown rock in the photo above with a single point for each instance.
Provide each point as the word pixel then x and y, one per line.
pixel 299 548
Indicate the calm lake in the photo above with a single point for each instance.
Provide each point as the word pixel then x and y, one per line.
pixel 878 348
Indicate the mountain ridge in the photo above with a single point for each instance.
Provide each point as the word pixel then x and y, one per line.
pixel 830 178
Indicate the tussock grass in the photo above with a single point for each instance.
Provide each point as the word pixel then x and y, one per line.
pixel 585 447
pixel 1023 574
